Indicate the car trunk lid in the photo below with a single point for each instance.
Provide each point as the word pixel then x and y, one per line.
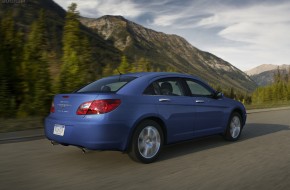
pixel 66 105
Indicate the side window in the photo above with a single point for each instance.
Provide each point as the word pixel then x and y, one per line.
pixel 167 86
pixel 113 86
pixel 110 84
pixel 197 89
pixel 151 90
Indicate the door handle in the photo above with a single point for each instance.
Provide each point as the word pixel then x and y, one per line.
pixel 199 101
pixel 164 100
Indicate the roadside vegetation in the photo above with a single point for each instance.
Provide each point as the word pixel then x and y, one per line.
pixel 19 124
pixel 276 93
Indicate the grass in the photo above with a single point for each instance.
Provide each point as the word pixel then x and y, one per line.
pixel 267 105
pixel 15 124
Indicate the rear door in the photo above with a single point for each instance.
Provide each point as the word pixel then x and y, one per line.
pixel 175 108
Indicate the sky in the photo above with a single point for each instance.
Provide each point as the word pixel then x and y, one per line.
pixel 246 33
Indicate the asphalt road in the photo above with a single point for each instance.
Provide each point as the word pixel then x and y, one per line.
pixel 259 160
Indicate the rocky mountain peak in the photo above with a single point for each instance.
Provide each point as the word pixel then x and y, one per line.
pixel 264 74
pixel 261 68
pixel 167 50
pixel 109 27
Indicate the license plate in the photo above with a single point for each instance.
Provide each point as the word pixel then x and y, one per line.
pixel 58 129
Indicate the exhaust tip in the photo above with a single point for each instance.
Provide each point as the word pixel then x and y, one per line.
pixel 54 143
pixel 83 150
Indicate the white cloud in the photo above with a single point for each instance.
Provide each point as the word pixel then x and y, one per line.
pixel 165 20
pixel 265 13
pixel 96 8
pixel 118 7
pixel 177 17
pixel 264 28
pixel 264 25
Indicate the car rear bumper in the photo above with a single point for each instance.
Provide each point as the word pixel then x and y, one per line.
pixel 90 134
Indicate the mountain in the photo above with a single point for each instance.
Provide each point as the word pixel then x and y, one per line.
pixel 264 74
pixel 111 37
pixel 164 50
pixel 260 69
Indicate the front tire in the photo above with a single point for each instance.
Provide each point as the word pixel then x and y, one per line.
pixel 146 142
pixel 234 128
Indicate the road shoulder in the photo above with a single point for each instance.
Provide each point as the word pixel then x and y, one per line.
pixel 267 109
pixel 19 136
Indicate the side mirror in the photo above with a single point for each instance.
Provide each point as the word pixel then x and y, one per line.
pixel 218 95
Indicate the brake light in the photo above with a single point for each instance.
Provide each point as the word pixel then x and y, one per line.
pixel 98 106
pixel 52 109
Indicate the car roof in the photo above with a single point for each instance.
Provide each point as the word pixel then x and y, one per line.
pixel 159 74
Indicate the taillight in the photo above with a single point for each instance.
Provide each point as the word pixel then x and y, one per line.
pixel 52 109
pixel 98 106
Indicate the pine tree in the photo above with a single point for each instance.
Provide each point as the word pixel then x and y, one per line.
pixel 10 53
pixel 285 92
pixel 107 70
pixel 124 66
pixel 34 69
pixel 277 76
pixel 232 93
pixel 269 94
pixel 288 75
pixel 279 91
pixel 4 91
pixel 42 98
pixel 288 91
pixel 142 65
pixel 85 56
pixel 76 58
pixel 170 69
pixel 147 66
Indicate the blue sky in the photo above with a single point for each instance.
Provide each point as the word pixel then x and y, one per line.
pixel 246 33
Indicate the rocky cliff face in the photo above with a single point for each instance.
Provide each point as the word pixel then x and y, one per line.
pixel 165 50
pixel 266 67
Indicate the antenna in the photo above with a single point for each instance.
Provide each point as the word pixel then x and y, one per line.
pixel 120 74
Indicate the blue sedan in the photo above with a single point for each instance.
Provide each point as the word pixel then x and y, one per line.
pixel 138 113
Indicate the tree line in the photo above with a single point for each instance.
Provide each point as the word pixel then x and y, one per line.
pixel 26 82
pixel 278 92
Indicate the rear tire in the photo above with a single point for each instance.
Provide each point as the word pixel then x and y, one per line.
pixel 234 128
pixel 146 142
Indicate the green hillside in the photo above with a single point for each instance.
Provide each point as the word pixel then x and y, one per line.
pixel 44 51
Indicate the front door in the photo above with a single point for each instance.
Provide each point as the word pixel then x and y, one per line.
pixel 209 112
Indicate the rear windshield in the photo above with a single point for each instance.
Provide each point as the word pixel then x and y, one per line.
pixel 108 85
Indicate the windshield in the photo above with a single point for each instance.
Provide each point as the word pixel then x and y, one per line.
pixel 109 85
